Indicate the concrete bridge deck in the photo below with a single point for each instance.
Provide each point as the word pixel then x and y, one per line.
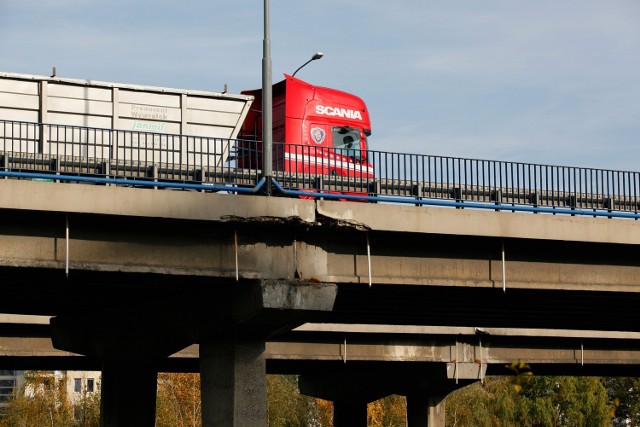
pixel 122 269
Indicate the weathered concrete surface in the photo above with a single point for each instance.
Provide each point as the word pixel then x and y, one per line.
pixel 191 205
pixel 593 352
pixel 220 235
pixel 233 382
pixel 288 250
pixel 64 246
pixel 231 330
pixel 112 200
pixel 105 245
pixel 470 222
pixel 287 295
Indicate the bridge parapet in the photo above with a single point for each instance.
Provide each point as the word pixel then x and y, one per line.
pixel 159 160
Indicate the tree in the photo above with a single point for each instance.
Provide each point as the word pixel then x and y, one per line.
pixel 178 401
pixel 288 408
pixel 41 402
pixel 390 411
pixel 567 401
pixel 538 401
pixel 325 413
pixel 624 393
pixel 492 403
pixel 86 410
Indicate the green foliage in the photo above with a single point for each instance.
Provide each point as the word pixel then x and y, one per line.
pixel 521 373
pixel 539 401
pixel 624 393
pixel 568 401
pixel 493 403
pixel 288 408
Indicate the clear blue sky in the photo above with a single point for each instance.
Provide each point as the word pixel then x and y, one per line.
pixel 544 81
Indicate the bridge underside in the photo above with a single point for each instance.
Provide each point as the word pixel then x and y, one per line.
pixel 126 271
pixel 93 294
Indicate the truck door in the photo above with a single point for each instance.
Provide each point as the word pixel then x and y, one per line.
pixel 346 141
pixel 349 144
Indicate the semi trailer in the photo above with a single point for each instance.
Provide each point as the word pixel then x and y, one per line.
pixel 315 129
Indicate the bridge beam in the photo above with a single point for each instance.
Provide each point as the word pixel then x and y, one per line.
pixel 231 325
pixel 354 385
pixel 130 344
pixel 232 351
pixel 423 410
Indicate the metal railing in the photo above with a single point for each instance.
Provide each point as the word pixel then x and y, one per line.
pixel 146 159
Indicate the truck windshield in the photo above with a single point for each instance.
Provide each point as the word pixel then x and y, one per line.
pixel 346 141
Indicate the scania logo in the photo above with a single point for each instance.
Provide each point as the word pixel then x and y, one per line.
pixel 340 112
pixel 317 134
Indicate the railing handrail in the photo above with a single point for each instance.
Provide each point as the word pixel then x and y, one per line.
pixel 213 164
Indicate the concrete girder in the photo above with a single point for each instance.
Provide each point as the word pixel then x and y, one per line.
pixel 64 232
pixel 352 388
pixel 231 332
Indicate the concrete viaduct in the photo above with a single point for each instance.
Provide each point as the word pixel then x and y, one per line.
pixel 362 300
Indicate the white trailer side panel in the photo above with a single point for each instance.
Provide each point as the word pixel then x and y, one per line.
pixel 148 112
pixel 18 115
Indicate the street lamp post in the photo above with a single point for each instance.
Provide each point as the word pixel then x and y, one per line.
pixel 317 55
pixel 267 104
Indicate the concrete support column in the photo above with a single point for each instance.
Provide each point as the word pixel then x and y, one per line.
pixel 349 413
pixel 233 382
pixel 424 410
pixel 128 393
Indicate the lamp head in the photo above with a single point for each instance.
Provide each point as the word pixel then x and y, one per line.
pixel 317 55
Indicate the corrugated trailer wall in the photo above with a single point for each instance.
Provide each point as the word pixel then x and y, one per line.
pixel 157 119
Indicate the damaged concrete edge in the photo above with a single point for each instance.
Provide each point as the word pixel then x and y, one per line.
pixel 192 205
pixel 274 220
pixel 141 202
pixel 317 219
pixel 282 294
pixel 473 222
pixel 285 294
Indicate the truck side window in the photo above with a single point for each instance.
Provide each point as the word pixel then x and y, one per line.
pixel 346 141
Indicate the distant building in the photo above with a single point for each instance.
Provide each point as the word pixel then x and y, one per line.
pixel 10 383
pixel 82 383
pixel 77 385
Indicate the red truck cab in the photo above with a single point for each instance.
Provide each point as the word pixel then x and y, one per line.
pixel 316 130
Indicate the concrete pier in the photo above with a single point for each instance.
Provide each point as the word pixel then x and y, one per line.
pixel 231 327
